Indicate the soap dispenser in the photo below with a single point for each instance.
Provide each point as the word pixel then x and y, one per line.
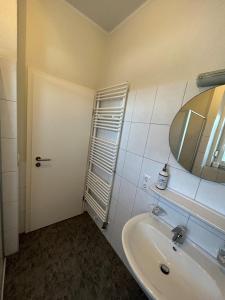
pixel 163 178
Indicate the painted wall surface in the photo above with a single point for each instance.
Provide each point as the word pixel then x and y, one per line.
pixel 63 43
pixel 159 51
pixel 8 28
pixel 168 40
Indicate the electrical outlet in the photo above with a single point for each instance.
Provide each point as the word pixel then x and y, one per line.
pixel 146 182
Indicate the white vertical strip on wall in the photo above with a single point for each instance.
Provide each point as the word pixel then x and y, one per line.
pixel 108 117
pixel 9 164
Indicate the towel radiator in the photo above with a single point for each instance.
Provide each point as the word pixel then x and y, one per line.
pixel 108 114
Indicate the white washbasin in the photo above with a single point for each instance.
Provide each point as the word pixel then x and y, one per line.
pixel 193 275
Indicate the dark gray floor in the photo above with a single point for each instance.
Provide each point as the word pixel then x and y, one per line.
pixel 68 260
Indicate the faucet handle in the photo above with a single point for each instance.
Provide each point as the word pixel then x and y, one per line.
pixel 221 256
pixel 157 211
pixel 179 228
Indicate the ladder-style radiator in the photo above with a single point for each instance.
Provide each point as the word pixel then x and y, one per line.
pixel 108 114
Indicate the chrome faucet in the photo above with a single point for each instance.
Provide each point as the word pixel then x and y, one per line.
pixel 179 234
pixel 221 256
pixel 157 211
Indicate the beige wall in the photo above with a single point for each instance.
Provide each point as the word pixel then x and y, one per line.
pixel 63 43
pixel 168 40
pixel 8 28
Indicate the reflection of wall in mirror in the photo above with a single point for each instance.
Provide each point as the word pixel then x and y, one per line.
pixel 200 103
pixel 202 165
pixel 191 137
pixel 184 143
pixel 177 128
pixel 218 113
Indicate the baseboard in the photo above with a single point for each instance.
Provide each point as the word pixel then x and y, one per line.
pixel 3 279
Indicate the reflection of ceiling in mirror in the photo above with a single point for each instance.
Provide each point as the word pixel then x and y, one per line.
pixel 197 135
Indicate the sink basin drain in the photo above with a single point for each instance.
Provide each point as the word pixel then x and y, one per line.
pixel 164 269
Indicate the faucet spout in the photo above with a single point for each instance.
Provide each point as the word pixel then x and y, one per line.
pixel 179 234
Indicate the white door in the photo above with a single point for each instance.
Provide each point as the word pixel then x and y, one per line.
pixel 59 120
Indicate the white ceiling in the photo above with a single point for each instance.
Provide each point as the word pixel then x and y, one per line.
pixel 107 13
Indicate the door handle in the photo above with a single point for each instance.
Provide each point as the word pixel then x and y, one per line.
pixel 38 158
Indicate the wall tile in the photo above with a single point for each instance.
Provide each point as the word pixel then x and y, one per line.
pixel 11 241
pixel 157 147
pixel 112 211
pixel 144 202
pixel 151 168
pixel 126 195
pixel 168 102
pixel 7 79
pixel 144 104
pixel 130 104
pixel 183 182
pixel 10 186
pixel 120 161
pixel 208 227
pixel 108 232
pixel 122 215
pixel 204 238
pixel 8 119
pixel 116 187
pixel 212 194
pixel 116 241
pixel 9 155
pixel 125 135
pixel 173 216
pixel 8 114
pixel 132 167
pixel 138 137
pixel 10 215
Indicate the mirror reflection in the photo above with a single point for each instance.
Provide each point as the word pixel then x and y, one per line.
pixel 197 135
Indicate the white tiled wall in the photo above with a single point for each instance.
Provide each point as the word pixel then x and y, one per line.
pixel 145 149
pixel 9 169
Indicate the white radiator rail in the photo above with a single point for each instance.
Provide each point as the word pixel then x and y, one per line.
pixel 95 206
pixel 108 116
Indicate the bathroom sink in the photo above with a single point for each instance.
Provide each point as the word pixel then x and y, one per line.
pixel 166 271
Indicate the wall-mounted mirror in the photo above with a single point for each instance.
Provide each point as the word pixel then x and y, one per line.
pixel 197 135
